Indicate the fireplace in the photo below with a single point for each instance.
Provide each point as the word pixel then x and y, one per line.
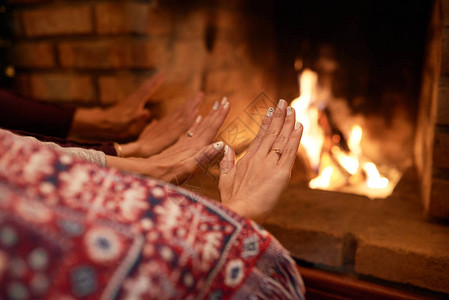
pixel 95 52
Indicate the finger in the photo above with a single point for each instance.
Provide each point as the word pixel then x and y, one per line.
pixel 146 90
pixel 149 127
pixel 139 123
pixel 284 135
pixel 193 128
pixel 190 111
pixel 254 146
pixel 274 129
pixel 208 129
pixel 291 149
pixel 207 154
pixel 195 103
pixel 228 161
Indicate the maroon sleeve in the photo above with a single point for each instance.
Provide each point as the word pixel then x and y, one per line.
pixel 107 148
pixel 21 113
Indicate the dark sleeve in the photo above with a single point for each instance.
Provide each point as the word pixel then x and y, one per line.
pixel 106 148
pixel 20 113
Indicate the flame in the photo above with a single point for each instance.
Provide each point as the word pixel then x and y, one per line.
pixel 307 112
pixel 354 140
pixel 337 169
pixel 349 162
pixel 322 180
pixel 374 180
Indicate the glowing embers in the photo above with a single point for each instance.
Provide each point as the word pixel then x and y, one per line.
pixel 336 157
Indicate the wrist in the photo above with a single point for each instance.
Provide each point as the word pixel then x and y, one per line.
pixel 243 208
pixel 87 122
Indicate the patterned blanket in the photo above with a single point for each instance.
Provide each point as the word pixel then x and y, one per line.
pixel 70 229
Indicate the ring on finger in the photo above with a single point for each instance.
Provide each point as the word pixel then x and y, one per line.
pixel 189 134
pixel 277 151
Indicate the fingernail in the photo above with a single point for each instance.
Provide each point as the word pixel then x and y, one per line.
pixel 289 110
pixel 224 100
pixel 215 105
pixel 226 149
pixel 298 125
pixel 270 112
pixel 198 119
pixel 226 105
pixel 218 146
pixel 281 103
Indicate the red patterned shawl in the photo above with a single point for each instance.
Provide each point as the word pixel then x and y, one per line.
pixel 70 229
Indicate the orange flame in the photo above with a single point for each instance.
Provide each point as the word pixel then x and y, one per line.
pixel 338 169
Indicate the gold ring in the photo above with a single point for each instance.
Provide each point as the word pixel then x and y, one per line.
pixel 277 151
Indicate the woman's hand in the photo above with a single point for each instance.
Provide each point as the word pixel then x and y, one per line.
pixel 121 121
pixel 191 152
pixel 160 134
pixel 253 185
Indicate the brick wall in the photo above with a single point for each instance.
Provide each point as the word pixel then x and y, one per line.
pixel 432 137
pixel 77 51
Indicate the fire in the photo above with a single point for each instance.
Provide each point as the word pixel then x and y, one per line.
pixel 337 167
pixel 307 111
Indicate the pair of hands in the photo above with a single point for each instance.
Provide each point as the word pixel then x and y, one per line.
pixel 253 185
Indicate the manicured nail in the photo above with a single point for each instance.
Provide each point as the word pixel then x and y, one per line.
pixel 270 112
pixel 226 149
pixel 226 105
pixel 224 100
pixel 281 103
pixel 218 146
pixel 289 110
pixel 198 119
pixel 215 105
pixel 298 125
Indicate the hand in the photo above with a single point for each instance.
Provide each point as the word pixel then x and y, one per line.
pixel 122 121
pixel 186 156
pixel 160 134
pixel 253 186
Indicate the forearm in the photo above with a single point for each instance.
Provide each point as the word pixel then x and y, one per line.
pixel 141 166
pixel 242 208
pixel 133 165
pixel 94 156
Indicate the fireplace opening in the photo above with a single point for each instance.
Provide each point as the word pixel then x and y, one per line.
pixel 359 66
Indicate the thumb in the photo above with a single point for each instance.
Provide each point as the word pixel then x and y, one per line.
pixel 144 116
pixel 138 124
pixel 227 163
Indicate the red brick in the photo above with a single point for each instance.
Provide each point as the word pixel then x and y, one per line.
pixel 114 18
pixel 438 205
pixel 116 88
pixel 445 10
pixel 58 21
pixel 60 87
pixel 109 54
pixel 26 1
pixel 33 55
pixel 445 53
pixel 160 21
pixel 403 265
pixel 17 27
pixel 443 101
pixel 440 150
